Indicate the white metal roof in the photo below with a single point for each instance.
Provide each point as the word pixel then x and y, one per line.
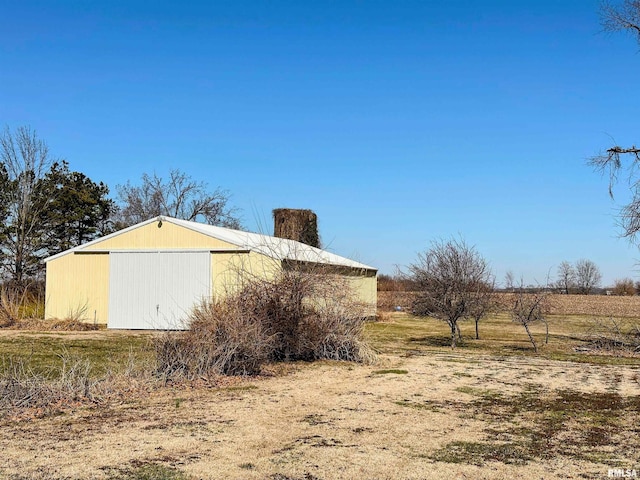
pixel 273 247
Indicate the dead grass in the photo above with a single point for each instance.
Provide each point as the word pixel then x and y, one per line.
pixel 489 409
pixel 67 325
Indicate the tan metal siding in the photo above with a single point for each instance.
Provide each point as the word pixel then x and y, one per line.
pixel 78 285
pixel 230 270
pixel 365 290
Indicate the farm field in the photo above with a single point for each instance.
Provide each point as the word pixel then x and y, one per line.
pixel 488 409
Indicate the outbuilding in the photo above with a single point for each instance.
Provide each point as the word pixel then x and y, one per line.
pixel 150 275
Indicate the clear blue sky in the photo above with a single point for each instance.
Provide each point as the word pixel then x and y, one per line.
pixel 398 122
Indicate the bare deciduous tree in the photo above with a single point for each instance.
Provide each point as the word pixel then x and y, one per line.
pixel 530 307
pixel 509 281
pixel 448 277
pixel 612 163
pixel 588 276
pixel 26 160
pixel 566 277
pixel 622 17
pixel 180 196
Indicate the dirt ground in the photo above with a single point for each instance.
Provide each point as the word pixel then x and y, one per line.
pixel 401 418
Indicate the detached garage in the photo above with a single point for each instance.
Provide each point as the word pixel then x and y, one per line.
pixel 150 275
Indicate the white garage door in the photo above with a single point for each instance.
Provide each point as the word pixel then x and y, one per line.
pixel 156 290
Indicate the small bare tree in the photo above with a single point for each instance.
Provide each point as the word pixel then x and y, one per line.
pixel 529 307
pixel 588 276
pixel 483 303
pixel 448 276
pixel 180 196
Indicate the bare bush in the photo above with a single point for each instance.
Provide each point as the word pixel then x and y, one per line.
pixel 295 316
pixel 223 339
pixel 21 386
pixel 70 382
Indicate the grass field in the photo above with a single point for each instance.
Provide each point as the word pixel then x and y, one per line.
pixel 489 409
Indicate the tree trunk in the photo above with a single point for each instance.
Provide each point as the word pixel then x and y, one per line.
pixel 453 334
pixel 477 332
pixel 533 342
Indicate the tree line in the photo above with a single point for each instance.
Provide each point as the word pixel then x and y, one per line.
pixel 47 208
pixel 582 277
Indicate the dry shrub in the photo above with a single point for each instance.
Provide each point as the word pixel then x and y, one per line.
pixel 71 325
pixel 296 316
pixel 21 386
pixel 72 381
pixel 11 301
pixel 220 340
pixel 9 307
pixel 20 302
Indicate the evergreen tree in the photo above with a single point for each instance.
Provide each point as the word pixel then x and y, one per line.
pixel 79 209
